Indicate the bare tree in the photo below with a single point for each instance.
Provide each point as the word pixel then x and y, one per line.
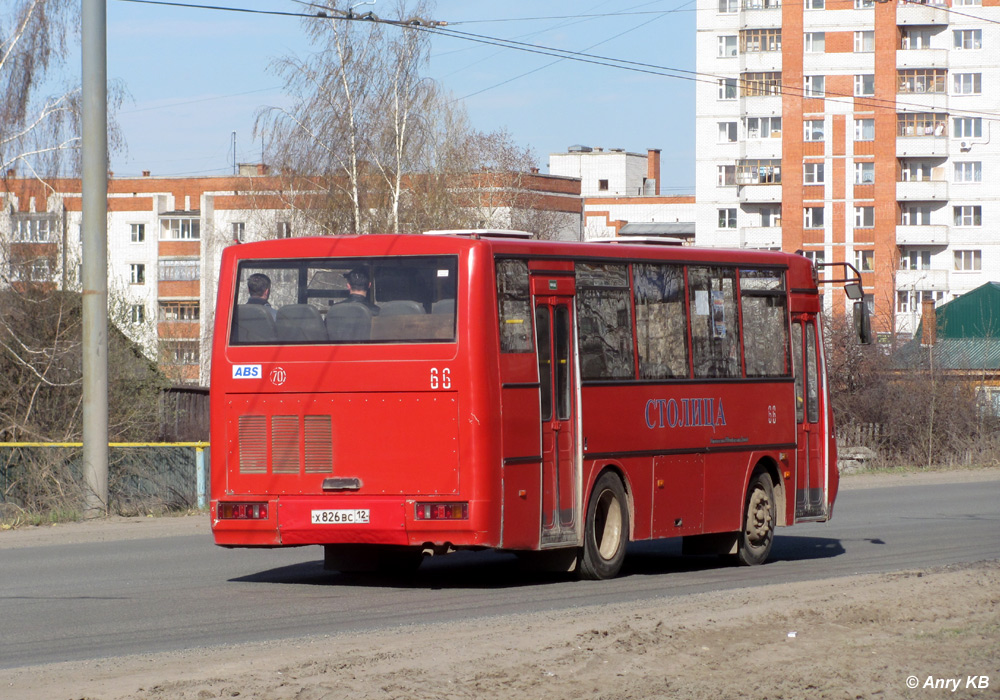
pixel 385 148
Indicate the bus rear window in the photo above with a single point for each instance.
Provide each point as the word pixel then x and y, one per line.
pixel 345 300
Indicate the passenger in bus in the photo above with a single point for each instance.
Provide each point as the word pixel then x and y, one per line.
pixel 350 319
pixel 259 286
pixel 359 283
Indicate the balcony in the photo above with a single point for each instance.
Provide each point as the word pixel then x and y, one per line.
pixel 935 235
pixel 910 13
pixel 928 280
pixel 760 193
pixel 760 237
pixel 922 190
pixel 921 58
pixel 760 14
pixel 922 146
pixel 760 62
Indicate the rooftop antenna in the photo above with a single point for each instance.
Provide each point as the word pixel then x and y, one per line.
pixel 234 154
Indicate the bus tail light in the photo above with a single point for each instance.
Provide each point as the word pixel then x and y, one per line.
pixel 442 511
pixel 242 511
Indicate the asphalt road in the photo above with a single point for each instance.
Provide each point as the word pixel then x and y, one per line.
pixel 72 602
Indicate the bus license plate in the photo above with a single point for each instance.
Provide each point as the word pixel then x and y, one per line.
pixel 348 516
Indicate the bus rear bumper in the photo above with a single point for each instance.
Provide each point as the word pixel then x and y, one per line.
pixel 304 520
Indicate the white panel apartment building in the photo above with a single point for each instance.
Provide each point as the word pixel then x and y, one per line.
pixel 859 131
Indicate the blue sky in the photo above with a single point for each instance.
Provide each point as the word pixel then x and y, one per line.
pixel 196 76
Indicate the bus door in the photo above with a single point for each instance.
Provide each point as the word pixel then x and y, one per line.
pixel 557 389
pixel 811 469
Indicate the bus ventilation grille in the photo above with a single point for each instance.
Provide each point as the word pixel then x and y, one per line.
pixel 294 443
pixel 318 444
pixel 285 444
pixel 253 445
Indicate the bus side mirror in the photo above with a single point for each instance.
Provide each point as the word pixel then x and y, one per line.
pixel 862 323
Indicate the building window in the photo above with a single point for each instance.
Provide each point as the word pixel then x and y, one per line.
pixel 180 230
pixel 812 217
pixel 727 133
pixel 760 84
pixel 239 231
pixel 864 129
pixel 815 42
pixel 180 352
pixel 812 130
pixel 727 175
pixel 968 127
pixel 815 85
pixel 968 83
pixel 815 4
pixel 763 171
pixel 188 311
pixel 137 314
pixel 864 173
pixel 915 260
pixel 35 228
pixel 602 185
pixel 968 260
pixel 864 217
pixel 179 270
pixel 137 233
pixel 727 88
pixel 912 301
pixel 969 215
pixel 284 228
pixel 817 257
pixel 922 80
pixel 760 40
pixel 863 4
pixel 864 260
pixel 763 127
pixel 967 3
pixel 727 45
pixel 913 39
pixel 864 41
pixel 921 124
pixel 137 273
pixel 813 173
pixel 727 218
pixel 916 215
pixel 770 217
pixel 728 7
pixel 969 171
pixel 864 84
pixel 915 170
pixel 968 39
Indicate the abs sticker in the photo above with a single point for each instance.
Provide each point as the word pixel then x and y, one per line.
pixel 246 372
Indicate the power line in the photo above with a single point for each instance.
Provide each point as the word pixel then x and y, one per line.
pixel 441 29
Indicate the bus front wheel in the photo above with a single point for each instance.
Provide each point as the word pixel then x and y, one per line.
pixel 757 536
pixel 606 530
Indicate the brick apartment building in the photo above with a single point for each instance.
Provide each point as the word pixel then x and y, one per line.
pixel 165 236
pixel 859 131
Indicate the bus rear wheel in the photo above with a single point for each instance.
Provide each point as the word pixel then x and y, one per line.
pixel 757 536
pixel 605 531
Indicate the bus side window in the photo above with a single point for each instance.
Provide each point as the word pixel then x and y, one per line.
pixel 514 305
pixel 604 313
pixel 715 330
pixel 765 322
pixel 660 321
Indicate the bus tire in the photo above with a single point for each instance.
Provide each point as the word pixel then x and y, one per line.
pixel 606 529
pixel 755 539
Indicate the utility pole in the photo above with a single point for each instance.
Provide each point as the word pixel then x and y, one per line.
pixel 95 255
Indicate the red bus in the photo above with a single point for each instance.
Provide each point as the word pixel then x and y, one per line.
pixel 404 395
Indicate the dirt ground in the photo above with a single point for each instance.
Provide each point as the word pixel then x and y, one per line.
pixel 874 636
